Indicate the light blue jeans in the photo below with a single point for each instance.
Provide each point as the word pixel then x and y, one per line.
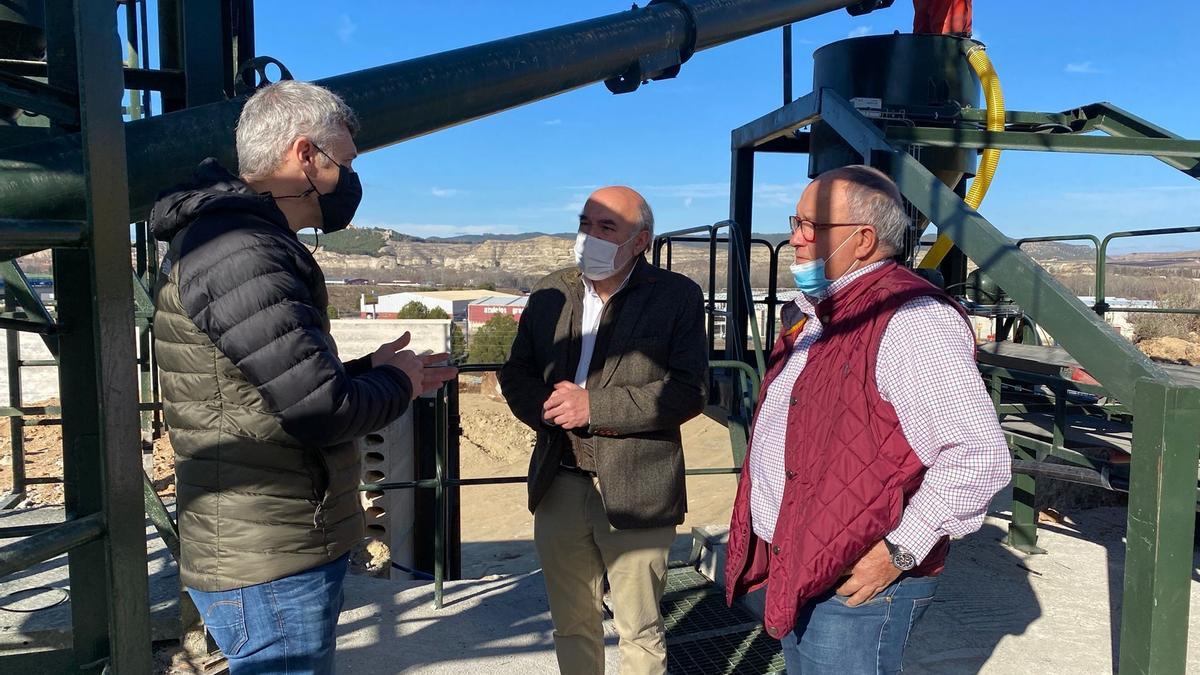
pixel 832 637
pixel 283 626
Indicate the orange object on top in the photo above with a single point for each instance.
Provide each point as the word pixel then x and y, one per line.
pixel 942 17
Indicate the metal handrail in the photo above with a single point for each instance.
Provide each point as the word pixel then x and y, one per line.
pixel 734 255
pixel 441 481
pixel 1101 268
pixel 1101 306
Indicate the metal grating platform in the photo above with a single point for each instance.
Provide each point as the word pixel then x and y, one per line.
pixel 704 636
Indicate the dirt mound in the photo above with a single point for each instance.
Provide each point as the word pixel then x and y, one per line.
pixel 1171 350
pixel 492 439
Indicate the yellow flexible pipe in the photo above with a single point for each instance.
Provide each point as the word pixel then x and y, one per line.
pixel 994 96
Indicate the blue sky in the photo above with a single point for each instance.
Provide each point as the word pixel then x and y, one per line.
pixel 530 169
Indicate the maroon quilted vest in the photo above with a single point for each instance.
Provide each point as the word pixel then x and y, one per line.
pixel 849 469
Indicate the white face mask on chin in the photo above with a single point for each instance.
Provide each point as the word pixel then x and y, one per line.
pixel 596 257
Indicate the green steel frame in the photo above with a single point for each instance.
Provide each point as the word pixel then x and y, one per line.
pixel 104 535
pixel 73 243
pixel 1166 442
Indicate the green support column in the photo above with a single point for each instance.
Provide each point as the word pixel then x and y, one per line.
pixel 1159 538
pixel 15 400
pixel 1022 531
pixel 101 458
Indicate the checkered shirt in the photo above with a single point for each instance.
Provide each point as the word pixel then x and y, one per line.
pixel 926 369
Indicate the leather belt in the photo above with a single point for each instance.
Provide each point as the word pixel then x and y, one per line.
pixel 576 470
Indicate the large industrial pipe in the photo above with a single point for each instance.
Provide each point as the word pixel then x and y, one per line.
pixel 410 98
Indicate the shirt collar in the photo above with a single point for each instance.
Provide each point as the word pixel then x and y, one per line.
pixel 807 303
pixel 590 289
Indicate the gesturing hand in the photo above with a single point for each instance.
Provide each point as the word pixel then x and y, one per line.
pixel 423 372
pixel 871 574
pixel 387 351
pixel 568 406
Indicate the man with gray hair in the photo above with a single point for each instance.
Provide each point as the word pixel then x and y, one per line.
pixel 261 410
pixel 609 360
pixel 873 444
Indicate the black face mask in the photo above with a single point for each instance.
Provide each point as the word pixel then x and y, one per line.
pixel 337 207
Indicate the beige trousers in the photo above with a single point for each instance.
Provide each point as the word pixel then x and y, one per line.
pixel 576 545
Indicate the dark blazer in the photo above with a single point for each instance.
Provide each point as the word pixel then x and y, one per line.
pixel 648 375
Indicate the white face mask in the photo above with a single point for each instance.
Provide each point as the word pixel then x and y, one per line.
pixel 596 257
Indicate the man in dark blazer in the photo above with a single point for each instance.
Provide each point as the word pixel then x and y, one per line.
pixel 610 358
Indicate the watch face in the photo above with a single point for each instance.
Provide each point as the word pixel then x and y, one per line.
pixel 903 560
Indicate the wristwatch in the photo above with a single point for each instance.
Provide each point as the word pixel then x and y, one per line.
pixel 902 559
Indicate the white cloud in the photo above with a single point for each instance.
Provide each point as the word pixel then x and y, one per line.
pixel 552 123
pixel 1082 68
pixel 687 202
pixel 444 192
pixel 859 32
pixel 345 27
pixel 444 230
pixel 688 190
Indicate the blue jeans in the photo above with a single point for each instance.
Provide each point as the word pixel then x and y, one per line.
pixel 283 626
pixel 831 637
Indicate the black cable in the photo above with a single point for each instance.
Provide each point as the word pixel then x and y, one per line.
pixel 417 574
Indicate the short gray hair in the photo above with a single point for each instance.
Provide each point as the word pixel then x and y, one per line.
pixel 278 114
pixel 646 218
pixel 873 198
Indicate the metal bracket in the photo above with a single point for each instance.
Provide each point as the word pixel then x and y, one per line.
pixel 245 82
pixel 661 66
pixel 868 6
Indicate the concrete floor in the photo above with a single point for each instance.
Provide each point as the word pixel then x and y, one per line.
pixel 997 612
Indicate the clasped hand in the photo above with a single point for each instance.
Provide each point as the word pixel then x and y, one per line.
pixel 568 406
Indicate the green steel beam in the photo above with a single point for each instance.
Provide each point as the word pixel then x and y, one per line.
pixel 51 543
pixel 1159 537
pixel 167 529
pixel 1108 357
pixel 1118 122
pixel 778 124
pixel 17 284
pixel 41 233
pixel 1071 119
pixel 403 100
pixel 101 458
pixel 16 425
pixel 1038 142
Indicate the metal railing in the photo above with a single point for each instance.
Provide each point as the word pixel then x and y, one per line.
pixel 1101 306
pixel 445 479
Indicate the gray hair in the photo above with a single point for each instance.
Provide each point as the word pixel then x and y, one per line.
pixel 646 218
pixel 278 114
pixel 872 197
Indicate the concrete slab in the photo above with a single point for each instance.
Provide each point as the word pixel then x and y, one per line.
pixel 492 625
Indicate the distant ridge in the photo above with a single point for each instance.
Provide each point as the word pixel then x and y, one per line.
pixel 480 238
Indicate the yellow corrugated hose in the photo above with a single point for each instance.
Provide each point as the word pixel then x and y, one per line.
pixel 994 96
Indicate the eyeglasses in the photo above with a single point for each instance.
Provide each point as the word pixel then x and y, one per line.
pixel 808 229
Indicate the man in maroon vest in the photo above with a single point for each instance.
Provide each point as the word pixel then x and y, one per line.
pixel 874 441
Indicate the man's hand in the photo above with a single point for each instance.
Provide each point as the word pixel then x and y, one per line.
pixel 423 372
pixel 568 406
pixel 388 350
pixel 871 574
